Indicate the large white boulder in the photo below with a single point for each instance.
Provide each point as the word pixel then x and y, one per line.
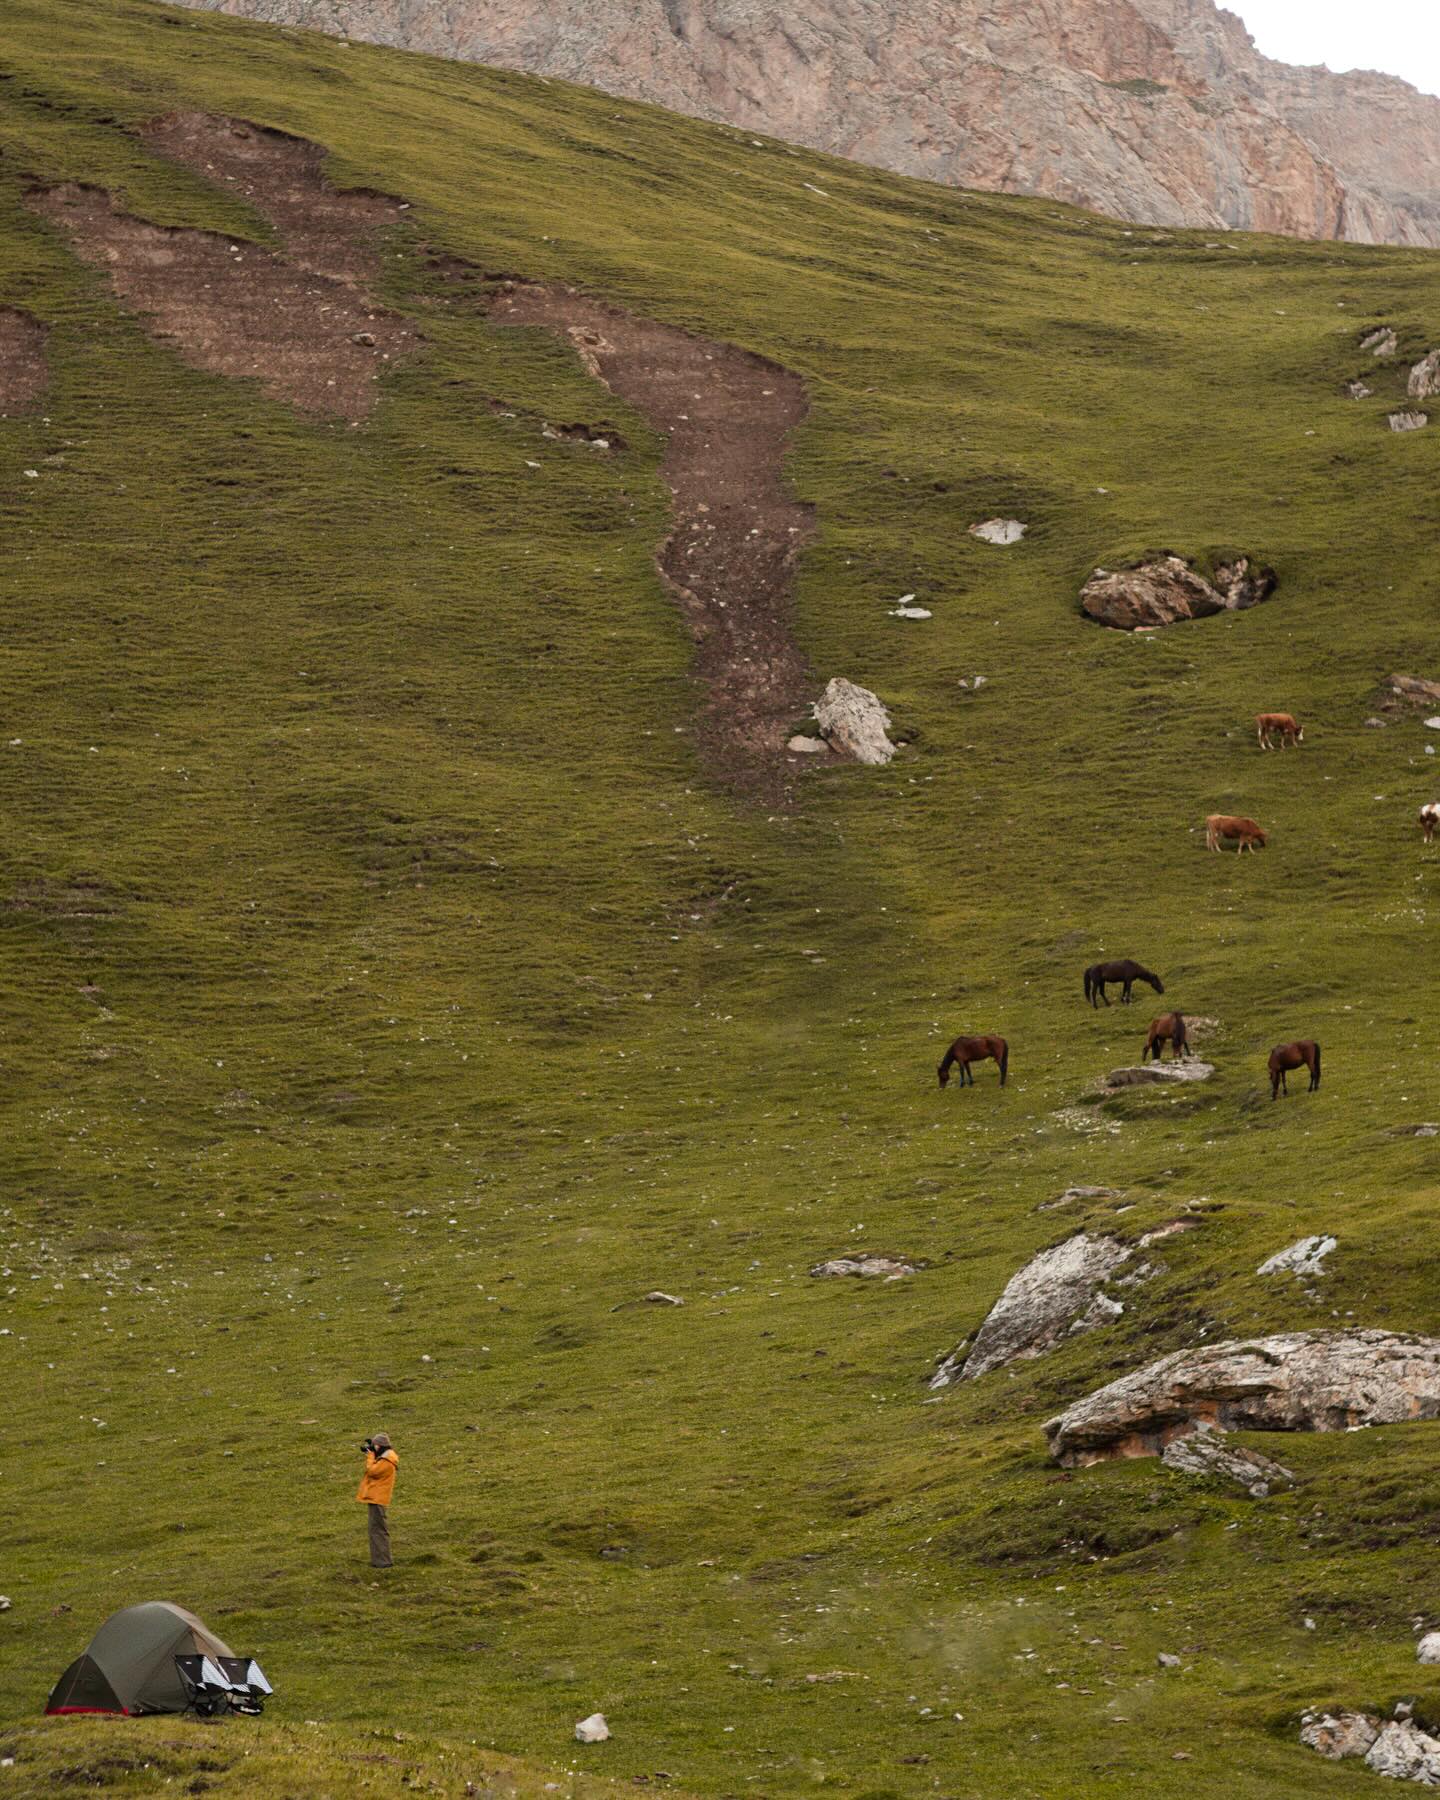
pixel 1057 1292
pixel 854 721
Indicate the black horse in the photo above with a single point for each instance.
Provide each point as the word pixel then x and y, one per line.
pixel 1124 971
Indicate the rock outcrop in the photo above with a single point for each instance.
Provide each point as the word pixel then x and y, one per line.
pixel 1169 590
pixel 1424 380
pixel 1206 1452
pixel 1338 1734
pixel 1414 690
pixel 1408 419
pixel 1404 1752
pixel 1159 1074
pixel 1160 111
pixel 854 721
pixel 1297 1381
pixel 1428 1649
pixel 882 1268
pixel 1306 1257
pixel 1057 1292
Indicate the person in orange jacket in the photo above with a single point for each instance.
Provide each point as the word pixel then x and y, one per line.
pixel 376 1486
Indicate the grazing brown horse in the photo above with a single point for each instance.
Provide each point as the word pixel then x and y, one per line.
pixel 1124 971
pixel 1232 825
pixel 1285 726
pixel 966 1050
pixel 1169 1028
pixel 1429 819
pixel 1304 1054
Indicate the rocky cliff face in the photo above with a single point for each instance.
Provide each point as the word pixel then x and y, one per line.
pixel 1160 111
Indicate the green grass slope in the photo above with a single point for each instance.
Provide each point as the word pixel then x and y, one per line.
pixel 389 1001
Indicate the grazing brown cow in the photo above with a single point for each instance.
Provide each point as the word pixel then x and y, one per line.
pixel 1169 1028
pixel 1429 819
pixel 1230 825
pixel 1285 726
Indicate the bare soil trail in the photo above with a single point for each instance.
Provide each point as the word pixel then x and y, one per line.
pixel 727 417
pixel 297 321
pixel 23 370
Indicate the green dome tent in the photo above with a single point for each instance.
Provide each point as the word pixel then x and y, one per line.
pixel 157 1658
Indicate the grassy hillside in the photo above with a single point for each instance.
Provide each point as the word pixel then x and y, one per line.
pixel 390 1001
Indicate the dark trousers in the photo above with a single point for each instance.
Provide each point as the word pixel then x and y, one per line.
pixel 380 1557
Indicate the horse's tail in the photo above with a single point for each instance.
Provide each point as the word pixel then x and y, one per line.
pixel 1089 983
pixel 1317 1065
pixel 1180 1036
pixel 1005 1061
pixel 945 1061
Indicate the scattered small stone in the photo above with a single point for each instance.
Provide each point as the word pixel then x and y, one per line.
pixel 1072 1194
pixel 1166 1661
pixel 1380 342
pixel 1409 420
pixel 807 746
pixel 593 1730
pixel 999 531
pixel 656 1298
pixel 1357 390
pixel 1377 724
pixel 364 338
pixel 1428 1649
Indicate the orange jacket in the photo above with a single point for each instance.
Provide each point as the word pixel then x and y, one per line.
pixel 378 1482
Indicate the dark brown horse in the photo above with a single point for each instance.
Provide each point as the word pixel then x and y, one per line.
pixel 1169 1028
pixel 1304 1054
pixel 1124 971
pixel 967 1050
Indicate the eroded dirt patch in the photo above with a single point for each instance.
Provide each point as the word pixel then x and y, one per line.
pixel 296 320
pixel 727 418
pixel 23 370
pixel 328 231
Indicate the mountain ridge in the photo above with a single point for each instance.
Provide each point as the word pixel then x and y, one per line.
pixel 1162 112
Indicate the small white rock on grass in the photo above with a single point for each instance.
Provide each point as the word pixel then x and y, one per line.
pixel 593 1730
pixel 1428 1649
pixel 999 531
pixel 1306 1257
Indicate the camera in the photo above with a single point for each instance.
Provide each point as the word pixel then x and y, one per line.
pixel 367 1445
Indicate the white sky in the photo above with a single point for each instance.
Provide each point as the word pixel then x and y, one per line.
pixel 1402 37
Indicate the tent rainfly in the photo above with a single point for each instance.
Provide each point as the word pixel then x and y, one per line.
pixel 158 1658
